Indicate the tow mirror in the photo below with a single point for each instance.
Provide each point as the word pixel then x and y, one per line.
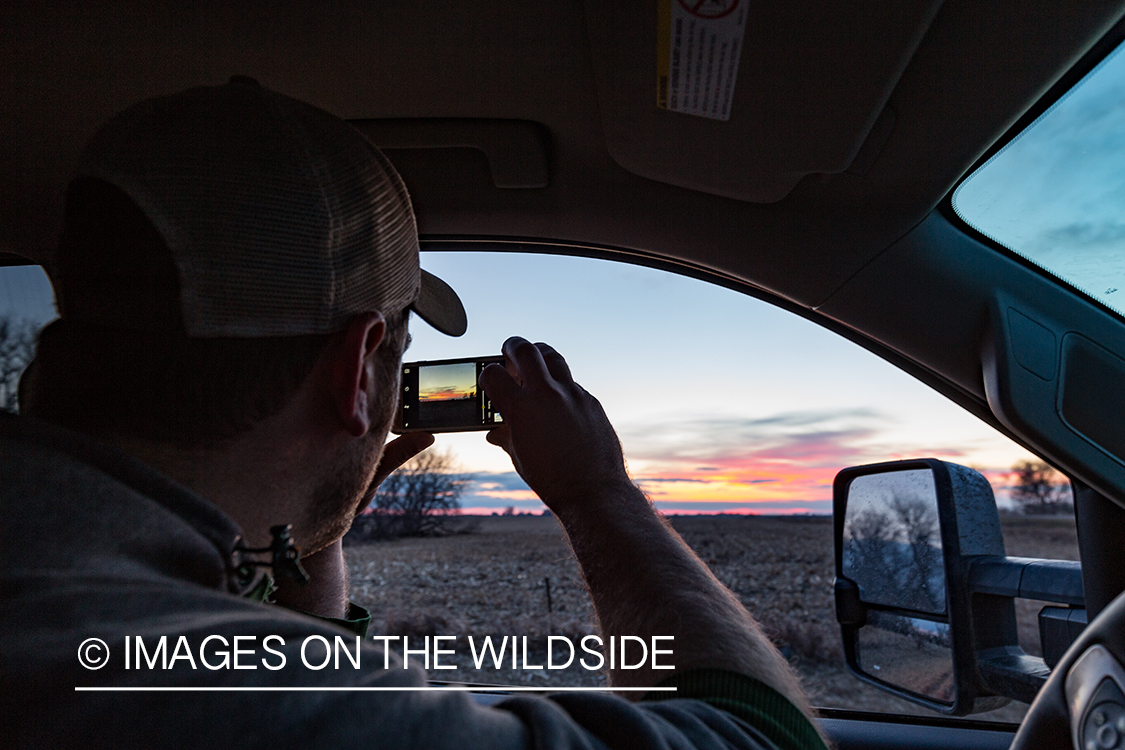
pixel 925 594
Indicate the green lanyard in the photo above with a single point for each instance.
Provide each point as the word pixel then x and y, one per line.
pixel 357 619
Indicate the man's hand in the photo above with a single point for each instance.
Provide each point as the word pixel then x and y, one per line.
pixel 557 434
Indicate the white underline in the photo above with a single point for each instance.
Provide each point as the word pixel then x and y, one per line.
pixel 461 689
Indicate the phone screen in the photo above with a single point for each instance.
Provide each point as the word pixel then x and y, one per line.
pixel 443 396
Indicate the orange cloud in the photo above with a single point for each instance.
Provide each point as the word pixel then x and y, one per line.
pixel 447 393
pixel 738 481
pixel 508 494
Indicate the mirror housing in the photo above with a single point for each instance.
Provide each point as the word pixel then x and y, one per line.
pixel 978 628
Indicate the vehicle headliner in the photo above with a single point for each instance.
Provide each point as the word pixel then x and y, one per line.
pixel 870 112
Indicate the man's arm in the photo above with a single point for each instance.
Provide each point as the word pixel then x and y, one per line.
pixel 643 578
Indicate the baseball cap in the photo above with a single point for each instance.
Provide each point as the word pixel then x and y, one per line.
pixel 282 219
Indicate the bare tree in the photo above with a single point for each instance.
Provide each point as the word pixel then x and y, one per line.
pixel 420 499
pixel 922 535
pixel 893 550
pixel 1040 490
pixel 17 347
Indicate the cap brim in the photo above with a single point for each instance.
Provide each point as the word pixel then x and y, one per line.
pixel 439 305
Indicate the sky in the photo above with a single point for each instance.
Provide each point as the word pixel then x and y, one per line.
pixel 446 382
pixel 723 403
pixel 1056 194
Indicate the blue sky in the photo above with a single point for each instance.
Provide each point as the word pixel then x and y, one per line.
pixel 25 294
pixel 1056 194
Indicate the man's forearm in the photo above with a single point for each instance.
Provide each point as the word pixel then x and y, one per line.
pixel 645 581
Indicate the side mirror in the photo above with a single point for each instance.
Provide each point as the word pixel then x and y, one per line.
pixel 924 592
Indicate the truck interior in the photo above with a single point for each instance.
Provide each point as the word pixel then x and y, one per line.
pixel 826 190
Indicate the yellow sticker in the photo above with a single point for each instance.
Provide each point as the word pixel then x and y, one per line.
pixel 699 45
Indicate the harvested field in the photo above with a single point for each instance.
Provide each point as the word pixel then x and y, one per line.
pixel 494 583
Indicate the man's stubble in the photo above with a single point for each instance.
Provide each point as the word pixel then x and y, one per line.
pixel 346 489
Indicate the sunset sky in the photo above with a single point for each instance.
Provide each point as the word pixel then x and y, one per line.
pixel 447 382
pixel 723 403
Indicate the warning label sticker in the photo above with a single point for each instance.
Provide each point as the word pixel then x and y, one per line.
pixel 699 46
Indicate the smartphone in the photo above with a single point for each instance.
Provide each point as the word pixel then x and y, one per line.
pixel 443 396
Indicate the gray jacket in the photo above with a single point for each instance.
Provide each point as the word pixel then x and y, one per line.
pixel 96 544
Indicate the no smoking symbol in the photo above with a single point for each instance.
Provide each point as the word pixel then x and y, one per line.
pixel 709 8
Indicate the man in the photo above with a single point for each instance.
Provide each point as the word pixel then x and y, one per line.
pixel 234 278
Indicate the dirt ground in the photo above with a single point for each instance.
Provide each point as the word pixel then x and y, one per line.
pixel 494 582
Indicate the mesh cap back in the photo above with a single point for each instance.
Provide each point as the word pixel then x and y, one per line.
pixel 281 218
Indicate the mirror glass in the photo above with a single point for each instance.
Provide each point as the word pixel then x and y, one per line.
pixel 909 653
pixel 892 540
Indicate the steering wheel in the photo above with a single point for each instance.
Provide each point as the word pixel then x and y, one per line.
pixel 1082 704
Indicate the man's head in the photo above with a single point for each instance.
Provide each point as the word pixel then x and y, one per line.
pixel 223 246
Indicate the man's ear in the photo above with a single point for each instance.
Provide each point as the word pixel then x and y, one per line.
pixel 351 370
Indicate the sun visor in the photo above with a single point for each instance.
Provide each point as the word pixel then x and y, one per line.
pixel 743 99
